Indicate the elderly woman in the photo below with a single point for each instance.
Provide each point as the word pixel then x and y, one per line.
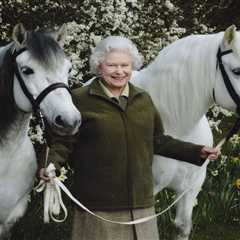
pixel 113 151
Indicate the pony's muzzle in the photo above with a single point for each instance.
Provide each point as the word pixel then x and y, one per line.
pixel 65 125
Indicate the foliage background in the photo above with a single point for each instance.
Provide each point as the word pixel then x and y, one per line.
pixel 151 25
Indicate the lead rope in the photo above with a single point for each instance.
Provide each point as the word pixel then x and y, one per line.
pixel 53 202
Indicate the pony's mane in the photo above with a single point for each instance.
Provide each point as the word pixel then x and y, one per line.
pixel 181 81
pixel 8 111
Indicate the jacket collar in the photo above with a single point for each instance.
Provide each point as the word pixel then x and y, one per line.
pixel 96 89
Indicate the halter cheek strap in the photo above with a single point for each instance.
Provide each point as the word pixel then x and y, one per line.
pixel 235 97
pixel 35 102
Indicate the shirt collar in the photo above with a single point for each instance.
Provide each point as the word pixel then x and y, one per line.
pixel 96 90
pixel 125 91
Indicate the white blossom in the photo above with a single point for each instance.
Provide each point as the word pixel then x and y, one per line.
pixel 214 173
pixel 235 140
pixel 169 5
pixel 215 125
pixel 63 174
pixel 36 134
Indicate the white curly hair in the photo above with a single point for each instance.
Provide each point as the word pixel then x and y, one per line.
pixel 112 43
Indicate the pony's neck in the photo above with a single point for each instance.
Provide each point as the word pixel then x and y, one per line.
pixel 17 130
pixel 181 81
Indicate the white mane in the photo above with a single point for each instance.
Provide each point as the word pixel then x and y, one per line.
pixel 181 81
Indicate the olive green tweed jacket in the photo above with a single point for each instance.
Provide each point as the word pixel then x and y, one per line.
pixel 113 151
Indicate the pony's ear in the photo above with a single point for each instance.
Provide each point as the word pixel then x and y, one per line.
pixel 19 34
pixel 229 36
pixel 60 34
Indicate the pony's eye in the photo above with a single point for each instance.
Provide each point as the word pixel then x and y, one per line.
pixel 236 71
pixel 27 70
pixel 70 69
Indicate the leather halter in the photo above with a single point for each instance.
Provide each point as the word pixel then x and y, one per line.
pixel 35 102
pixel 235 97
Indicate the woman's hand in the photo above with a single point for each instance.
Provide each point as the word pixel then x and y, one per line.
pixel 210 153
pixel 42 175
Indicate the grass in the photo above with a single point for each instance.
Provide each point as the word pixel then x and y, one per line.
pixel 217 231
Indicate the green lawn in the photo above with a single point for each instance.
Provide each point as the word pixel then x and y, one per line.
pixel 216 232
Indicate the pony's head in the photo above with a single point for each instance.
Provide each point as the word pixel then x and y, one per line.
pixel 40 77
pixel 227 88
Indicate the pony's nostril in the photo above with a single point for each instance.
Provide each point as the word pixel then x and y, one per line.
pixel 59 121
pixel 67 123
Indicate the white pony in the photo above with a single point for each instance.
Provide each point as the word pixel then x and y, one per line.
pixel 33 75
pixel 184 81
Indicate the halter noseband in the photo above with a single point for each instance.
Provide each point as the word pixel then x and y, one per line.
pixel 235 97
pixel 35 102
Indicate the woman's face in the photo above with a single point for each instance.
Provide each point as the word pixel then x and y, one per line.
pixel 116 69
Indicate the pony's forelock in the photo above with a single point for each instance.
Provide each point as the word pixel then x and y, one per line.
pixel 44 49
pixel 236 44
